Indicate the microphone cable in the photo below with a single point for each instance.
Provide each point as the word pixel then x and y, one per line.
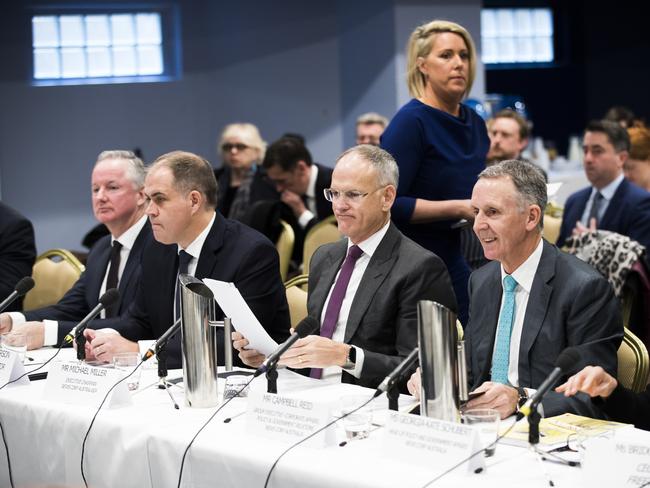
pixel 268 476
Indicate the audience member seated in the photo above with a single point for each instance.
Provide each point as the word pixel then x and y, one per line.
pixel 114 262
pixel 509 133
pixel 623 116
pixel 241 181
pixel 532 301
pixel 364 289
pixel 637 166
pixel 192 238
pixel 17 252
pixel 370 127
pixel 611 202
pixel 619 403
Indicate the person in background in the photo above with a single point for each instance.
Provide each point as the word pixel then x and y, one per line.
pixel 241 179
pixel 637 166
pixel 623 116
pixel 370 127
pixel 509 133
pixel 440 146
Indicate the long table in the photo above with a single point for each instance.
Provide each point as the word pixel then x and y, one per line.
pixel 142 446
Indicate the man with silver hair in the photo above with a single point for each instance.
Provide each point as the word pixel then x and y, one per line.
pixel 363 289
pixel 114 261
pixel 370 127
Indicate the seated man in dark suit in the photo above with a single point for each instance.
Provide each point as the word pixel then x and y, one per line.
pixel 17 252
pixel 192 238
pixel 114 261
pixel 364 289
pixel 611 202
pixel 619 403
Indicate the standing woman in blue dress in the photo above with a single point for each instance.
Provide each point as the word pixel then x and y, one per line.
pixel 440 146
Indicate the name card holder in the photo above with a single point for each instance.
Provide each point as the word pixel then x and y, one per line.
pixel 288 419
pixel 11 368
pixel 621 460
pixel 79 383
pixel 426 442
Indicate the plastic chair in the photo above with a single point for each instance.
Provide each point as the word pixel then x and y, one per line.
pixel 633 363
pixel 284 245
pixel 323 232
pixel 296 290
pixel 54 272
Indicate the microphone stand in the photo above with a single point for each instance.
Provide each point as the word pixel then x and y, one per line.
pixel 163 384
pixel 533 439
pixel 80 339
pixel 272 380
pixel 393 394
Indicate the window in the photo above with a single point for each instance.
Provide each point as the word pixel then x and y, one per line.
pixel 517 35
pixel 99 47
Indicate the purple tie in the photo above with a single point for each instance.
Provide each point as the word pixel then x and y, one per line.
pixel 336 299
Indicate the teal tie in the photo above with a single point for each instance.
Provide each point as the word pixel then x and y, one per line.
pixel 501 358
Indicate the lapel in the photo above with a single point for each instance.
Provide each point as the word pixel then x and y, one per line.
pixel 378 268
pixel 612 220
pixel 95 280
pixel 323 180
pixel 540 295
pixel 135 256
pixel 211 246
pixel 334 259
pixel 579 208
pixel 489 303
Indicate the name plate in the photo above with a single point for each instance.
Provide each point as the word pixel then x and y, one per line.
pixel 288 419
pixel 424 441
pixel 11 368
pixel 628 451
pixel 80 383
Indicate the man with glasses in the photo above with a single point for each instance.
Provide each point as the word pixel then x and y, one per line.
pixel 363 289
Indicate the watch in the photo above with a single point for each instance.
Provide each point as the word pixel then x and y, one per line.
pixel 523 396
pixel 350 361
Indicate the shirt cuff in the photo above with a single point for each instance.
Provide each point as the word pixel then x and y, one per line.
pixel 17 318
pixel 358 364
pixel 305 218
pixel 50 333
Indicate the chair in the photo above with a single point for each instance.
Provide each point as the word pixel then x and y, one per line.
pixel 551 229
pixel 296 290
pixel 284 245
pixel 323 232
pixel 54 272
pixel 633 363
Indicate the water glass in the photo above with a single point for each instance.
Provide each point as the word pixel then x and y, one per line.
pixel 17 343
pixel 356 424
pixel 486 420
pixel 126 362
pixel 234 385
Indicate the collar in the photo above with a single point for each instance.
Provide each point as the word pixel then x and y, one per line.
pixel 128 237
pixel 311 188
pixel 194 249
pixel 608 191
pixel 525 274
pixel 369 246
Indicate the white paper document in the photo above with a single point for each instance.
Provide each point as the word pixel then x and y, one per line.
pixel 243 320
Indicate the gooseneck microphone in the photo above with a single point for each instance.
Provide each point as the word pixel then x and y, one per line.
pixel 23 286
pixel 106 300
pixel 162 340
pixel 307 326
pixel 565 363
pixel 395 375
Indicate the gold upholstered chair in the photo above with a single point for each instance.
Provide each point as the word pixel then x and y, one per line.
pixel 54 272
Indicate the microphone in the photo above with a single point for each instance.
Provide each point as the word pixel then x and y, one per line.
pixel 106 300
pixel 566 362
pixel 306 326
pixel 394 376
pixel 23 286
pixel 162 340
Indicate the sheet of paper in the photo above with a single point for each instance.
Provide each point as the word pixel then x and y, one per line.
pixel 243 320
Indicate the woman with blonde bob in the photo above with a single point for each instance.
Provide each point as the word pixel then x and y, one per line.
pixel 439 144
pixel 241 181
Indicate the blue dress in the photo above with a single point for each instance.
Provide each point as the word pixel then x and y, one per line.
pixel 439 158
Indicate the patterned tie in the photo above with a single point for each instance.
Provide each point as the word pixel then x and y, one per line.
pixel 112 277
pixel 336 299
pixel 595 208
pixel 501 358
pixel 183 264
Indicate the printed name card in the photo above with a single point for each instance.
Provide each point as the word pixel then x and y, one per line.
pixel 421 440
pixel 80 383
pixel 628 450
pixel 11 367
pixel 288 419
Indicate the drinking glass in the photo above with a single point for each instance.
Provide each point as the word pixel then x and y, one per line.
pixel 487 422
pixel 16 342
pixel 126 362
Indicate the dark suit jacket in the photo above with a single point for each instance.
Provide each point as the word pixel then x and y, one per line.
pixel 232 252
pixel 17 252
pixel 626 406
pixel 570 304
pixel 628 213
pixel 383 316
pixel 84 294
pixel 261 189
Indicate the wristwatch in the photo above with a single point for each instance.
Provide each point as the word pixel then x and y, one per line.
pixel 523 396
pixel 350 361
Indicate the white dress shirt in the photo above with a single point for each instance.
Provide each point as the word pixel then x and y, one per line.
pixel 310 212
pixel 608 193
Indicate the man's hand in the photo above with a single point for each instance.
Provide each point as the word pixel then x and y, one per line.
pixel 104 345
pixel 497 396
pixel 580 229
pixel 294 201
pixel 414 383
pixel 34 334
pixel 250 357
pixel 315 352
pixel 593 380
pixel 5 323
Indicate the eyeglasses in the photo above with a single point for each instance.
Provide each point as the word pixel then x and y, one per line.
pixel 350 196
pixel 227 147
